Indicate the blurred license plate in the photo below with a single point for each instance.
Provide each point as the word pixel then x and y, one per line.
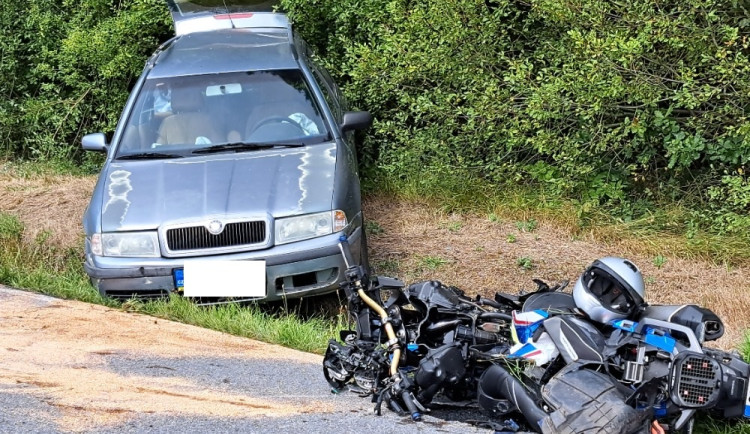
pixel 222 278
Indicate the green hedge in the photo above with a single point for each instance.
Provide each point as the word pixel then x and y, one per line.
pixel 617 103
pixel 608 103
pixel 66 69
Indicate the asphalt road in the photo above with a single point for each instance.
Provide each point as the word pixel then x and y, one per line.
pixel 67 366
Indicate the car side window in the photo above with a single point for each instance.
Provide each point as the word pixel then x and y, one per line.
pixel 331 92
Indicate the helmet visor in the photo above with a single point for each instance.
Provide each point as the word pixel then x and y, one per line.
pixel 610 292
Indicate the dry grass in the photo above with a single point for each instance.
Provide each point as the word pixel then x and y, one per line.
pixel 415 241
pixel 47 204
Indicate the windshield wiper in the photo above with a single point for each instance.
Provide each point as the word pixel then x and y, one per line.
pixel 245 146
pixel 147 156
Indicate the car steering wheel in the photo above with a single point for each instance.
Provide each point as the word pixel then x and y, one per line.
pixel 278 120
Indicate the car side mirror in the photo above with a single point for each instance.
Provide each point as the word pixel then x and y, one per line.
pixel 96 142
pixel 356 121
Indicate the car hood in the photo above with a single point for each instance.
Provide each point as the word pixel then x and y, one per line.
pixel 142 195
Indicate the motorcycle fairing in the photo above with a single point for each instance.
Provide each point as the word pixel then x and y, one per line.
pixel 575 338
pixel 705 324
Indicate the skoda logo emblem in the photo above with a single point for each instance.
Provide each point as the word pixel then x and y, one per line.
pixel 215 227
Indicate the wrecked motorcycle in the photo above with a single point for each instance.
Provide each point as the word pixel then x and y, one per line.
pixel 598 360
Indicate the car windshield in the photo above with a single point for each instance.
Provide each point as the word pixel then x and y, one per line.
pixel 180 115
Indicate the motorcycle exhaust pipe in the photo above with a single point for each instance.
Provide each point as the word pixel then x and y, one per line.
pixel 497 384
pixel 442 326
pixel 392 339
pixel 495 316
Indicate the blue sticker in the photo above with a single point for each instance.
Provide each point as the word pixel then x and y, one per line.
pixel 179 279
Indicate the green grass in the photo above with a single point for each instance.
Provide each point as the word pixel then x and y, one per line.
pixel 287 329
pixel 454 226
pixel 42 267
pixel 525 262
pixel 386 267
pixel 31 169
pixel 57 272
pixel 431 262
pixel 659 261
pixel 707 424
pixel 373 228
pixel 527 225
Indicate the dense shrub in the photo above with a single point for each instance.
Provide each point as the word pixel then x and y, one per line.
pixel 609 102
pixel 66 68
pixel 615 103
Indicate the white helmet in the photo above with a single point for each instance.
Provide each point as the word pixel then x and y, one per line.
pixel 610 289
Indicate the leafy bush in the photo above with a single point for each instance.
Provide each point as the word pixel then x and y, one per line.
pixel 67 66
pixel 616 103
pixel 608 103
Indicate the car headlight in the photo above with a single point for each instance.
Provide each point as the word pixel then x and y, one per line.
pixel 126 244
pixel 309 226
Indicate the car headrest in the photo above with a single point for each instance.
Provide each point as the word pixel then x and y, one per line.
pixel 186 99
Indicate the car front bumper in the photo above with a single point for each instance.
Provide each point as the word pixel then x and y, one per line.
pixel 301 269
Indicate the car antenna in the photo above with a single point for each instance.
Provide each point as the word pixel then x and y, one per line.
pixel 229 13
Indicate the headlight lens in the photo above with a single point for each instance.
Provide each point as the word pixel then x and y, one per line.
pixel 126 244
pixel 303 227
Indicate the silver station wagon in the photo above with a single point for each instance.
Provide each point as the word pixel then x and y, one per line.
pixel 232 170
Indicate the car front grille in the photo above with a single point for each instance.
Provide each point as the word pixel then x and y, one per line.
pixel 199 238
